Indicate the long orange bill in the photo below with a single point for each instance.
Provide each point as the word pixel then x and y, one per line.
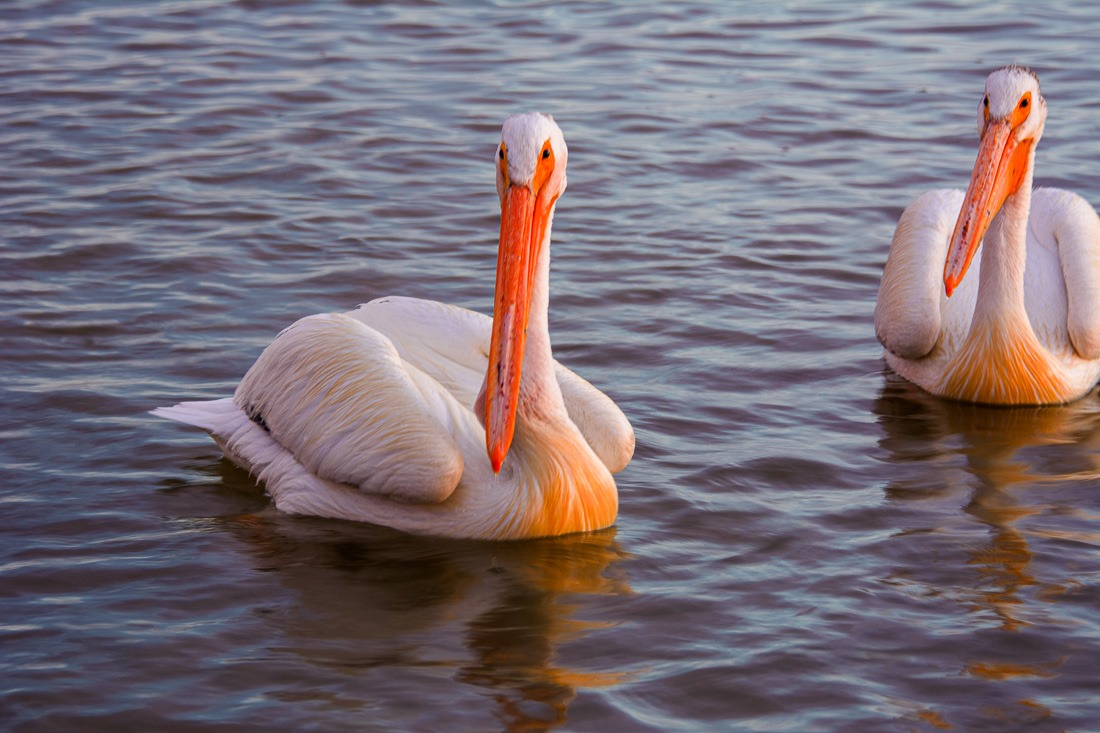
pixel 998 172
pixel 521 232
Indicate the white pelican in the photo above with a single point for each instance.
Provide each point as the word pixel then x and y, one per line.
pixel 402 411
pixel 1024 328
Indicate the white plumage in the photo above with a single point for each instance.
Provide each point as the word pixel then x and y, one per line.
pixel 1023 327
pixel 377 414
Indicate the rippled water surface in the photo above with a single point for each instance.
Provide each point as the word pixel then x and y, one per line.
pixel 805 543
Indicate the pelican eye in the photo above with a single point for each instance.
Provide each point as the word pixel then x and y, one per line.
pixel 545 153
pixel 500 153
pixel 1022 111
pixel 986 101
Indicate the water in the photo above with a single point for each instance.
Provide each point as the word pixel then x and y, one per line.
pixel 805 543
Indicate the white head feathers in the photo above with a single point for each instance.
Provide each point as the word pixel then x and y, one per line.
pixel 523 136
pixel 1006 90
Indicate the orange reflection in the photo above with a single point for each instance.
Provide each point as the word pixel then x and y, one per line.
pixel 1000 466
pixel 1000 462
pixel 497 615
pixel 1005 671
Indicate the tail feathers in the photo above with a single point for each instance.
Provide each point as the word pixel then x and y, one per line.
pixel 249 446
pixel 214 416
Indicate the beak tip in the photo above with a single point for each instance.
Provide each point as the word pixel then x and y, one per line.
pixel 949 284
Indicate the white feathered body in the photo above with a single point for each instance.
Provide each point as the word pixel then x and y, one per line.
pixel 932 340
pixel 993 295
pixel 368 416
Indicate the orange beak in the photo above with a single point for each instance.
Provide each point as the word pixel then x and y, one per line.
pixel 523 219
pixel 998 172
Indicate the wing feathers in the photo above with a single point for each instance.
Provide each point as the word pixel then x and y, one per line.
pixel 601 422
pixel 908 310
pixel 335 394
pixel 451 345
pixel 1076 229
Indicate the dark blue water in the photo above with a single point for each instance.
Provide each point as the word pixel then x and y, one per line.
pixel 805 543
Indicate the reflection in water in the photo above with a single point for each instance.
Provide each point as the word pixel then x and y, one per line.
pixel 1001 458
pixel 1005 454
pixel 495 613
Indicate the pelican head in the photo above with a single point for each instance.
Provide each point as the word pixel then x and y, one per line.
pixel 1011 116
pixel 530 177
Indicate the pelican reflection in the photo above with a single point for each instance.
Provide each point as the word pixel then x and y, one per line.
pixel 370 601
pixel 998 459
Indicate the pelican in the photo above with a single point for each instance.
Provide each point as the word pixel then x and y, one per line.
pixel 403 411
pixel 1024 328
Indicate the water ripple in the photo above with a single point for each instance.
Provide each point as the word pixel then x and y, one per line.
pixel 805 542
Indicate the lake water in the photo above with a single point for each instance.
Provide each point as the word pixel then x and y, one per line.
pixel 805 543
